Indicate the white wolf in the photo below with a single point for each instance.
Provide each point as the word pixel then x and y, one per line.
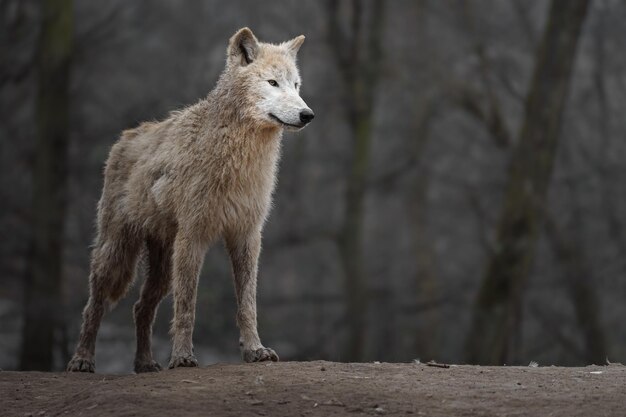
pixel 174 187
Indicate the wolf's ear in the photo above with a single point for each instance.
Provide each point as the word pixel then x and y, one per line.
pixel 293 46
pixel 243 47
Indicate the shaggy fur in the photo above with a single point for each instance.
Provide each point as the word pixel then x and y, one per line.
pixel 174 187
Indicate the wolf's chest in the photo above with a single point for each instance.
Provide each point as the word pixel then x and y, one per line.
pixel 242 192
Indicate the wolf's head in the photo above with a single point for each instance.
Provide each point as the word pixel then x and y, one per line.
pixel 267 80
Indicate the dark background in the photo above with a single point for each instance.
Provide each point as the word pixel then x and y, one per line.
pixel 459 196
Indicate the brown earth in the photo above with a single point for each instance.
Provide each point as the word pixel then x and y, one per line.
pixel 321 389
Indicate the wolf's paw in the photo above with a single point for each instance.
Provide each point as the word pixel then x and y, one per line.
pixel 187 361
pixel 81 365
pixel 260 355
pixel 151 366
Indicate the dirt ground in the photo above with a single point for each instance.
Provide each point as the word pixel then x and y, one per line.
pixel 321 389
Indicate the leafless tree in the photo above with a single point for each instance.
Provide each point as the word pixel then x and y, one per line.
pixel 494 335
pixel 43 304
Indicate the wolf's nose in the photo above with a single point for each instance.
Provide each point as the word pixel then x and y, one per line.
pixel 306 116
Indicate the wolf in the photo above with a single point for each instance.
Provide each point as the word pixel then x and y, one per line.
pixel 174 187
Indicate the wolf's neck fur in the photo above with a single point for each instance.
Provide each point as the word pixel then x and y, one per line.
pixel 244 152
pixel 228 107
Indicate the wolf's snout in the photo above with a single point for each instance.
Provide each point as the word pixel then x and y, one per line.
pixel 306 116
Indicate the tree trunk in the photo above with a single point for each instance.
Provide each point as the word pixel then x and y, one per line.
pixel 583 294
pixel 43 305
pixel 494 335
pixel 426 332
pixel 359 63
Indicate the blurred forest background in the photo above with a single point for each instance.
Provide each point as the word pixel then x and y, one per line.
pixel 459 196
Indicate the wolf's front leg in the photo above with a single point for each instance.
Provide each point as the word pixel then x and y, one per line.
pixel 244 250
pixel 187 261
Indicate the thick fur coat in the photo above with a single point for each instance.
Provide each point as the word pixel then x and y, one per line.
pixel 174 187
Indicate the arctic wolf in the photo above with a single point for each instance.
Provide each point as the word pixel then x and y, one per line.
pixel 173 187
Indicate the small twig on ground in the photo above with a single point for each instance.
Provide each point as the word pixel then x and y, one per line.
pixel 437 365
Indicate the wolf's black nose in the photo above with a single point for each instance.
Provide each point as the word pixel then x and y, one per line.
pixel 306 116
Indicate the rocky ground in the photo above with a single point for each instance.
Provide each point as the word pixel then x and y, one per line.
pixel 321 389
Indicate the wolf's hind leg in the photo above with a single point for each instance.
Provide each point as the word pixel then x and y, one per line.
pixel 154 289
pixel 244 255
pixel 113 265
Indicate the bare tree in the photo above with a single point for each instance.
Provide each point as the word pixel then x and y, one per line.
pixel 494 334
pixel 577 273
pixel 358 55
pixel 43 304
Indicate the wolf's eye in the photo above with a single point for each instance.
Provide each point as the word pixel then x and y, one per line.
pixel 273 83
pixel 297 85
